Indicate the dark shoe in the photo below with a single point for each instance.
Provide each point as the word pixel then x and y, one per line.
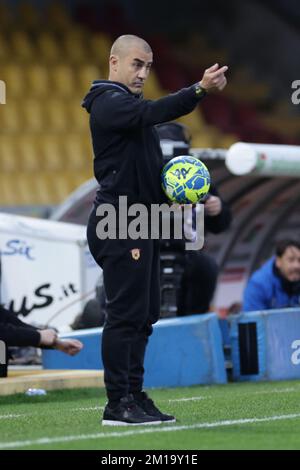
pixel 127 413
pixel 148 406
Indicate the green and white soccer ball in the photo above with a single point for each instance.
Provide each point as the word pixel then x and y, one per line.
pixel 185 180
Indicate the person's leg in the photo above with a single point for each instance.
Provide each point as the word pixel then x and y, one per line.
pixel 198 283
pixel 136 372
pixel 126 272
pixel 127 280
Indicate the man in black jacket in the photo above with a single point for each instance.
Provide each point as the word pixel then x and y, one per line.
pixel 128 162
pixel 14 332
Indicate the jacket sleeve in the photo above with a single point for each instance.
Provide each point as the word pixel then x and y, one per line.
pixel 14 332
pixel 10 318
pixel 255 297
pixel 221 222
pixel 119 110
pixel 19 336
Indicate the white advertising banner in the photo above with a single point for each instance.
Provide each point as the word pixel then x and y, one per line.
pixel 47 271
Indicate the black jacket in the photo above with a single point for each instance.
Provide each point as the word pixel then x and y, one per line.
pixel 127 153
pixel 16 333
pixel 221 222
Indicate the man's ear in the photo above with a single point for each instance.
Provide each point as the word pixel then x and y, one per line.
pixel 113 60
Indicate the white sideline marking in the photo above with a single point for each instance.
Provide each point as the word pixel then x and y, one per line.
pixel 97 408
pixel 277 390
pixel 89 408
pixel 188 399
pixel 258 392
pixel 170 428
pixel 101 408
pixel 10 416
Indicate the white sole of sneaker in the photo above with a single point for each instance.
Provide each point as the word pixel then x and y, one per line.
pixel 108 422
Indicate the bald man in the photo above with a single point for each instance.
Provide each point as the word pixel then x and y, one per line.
pixel 128 162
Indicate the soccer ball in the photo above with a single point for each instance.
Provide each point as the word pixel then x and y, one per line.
pixel 185 180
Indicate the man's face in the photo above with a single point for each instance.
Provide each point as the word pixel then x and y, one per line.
pixel 289 264
pixel 132 69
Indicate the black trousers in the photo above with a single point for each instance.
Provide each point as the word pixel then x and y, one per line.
pixel 132 285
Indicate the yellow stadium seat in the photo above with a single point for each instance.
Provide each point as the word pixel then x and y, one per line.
pixel 74 152
pixel 7 190
pixel 78 178
pixel 67 182
pixel 62 79
pixel 52 188
pixel 8 155
pixel 227 140
pixel 48 47
pixel 13 75
pixel 10 116
pixel 33 114
pixel 5 52
pixel 21 46
pixel 63 186
pixel 43 189
pixel 85 76
pixel 56 115
pixel 38 83
pixel 88 151
pixel 205 139
pixel 52 154
pixel 28 153
pixel 74 45
pixel 24 189
pixel 39 188
pixel 78 117
pixel 100 46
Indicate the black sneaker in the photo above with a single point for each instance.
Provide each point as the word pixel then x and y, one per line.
pixel 127 413
pixel 149 407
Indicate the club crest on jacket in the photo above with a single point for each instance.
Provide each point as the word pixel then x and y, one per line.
pixel 135 253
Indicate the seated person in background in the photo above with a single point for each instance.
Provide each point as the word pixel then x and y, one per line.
pixel 14 332
pixel 277 283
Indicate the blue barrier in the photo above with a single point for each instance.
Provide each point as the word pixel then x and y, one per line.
pixel 181 352
pixel 266 345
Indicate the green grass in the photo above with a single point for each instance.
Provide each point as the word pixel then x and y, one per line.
pixel 59 415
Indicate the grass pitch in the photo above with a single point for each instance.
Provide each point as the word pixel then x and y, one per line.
pixel 233 416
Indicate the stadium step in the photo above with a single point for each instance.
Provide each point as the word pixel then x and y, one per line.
pixel 20 382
